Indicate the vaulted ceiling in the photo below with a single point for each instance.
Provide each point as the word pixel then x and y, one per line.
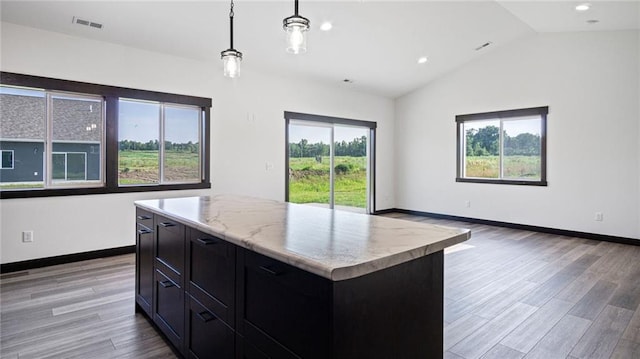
pixel 375 44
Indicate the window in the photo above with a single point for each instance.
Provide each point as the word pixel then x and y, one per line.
pixel 36 122
pixel 145 157
pixel 69 166
pixel 61 137
pixel 330 162
pixel 7 160
pixel 507 147
pixel 76 123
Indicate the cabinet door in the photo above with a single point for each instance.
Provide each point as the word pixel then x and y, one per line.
pixel 144 268
pixel 169 309
pixel 208 336
pixel 285 311
pixel 170 243
pixel 211 274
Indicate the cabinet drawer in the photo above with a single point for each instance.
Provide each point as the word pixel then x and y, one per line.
pixel 169 308
pixel 291 305
pixel 144 218
pixel 208 336
pixel 144 267
pixel 170 245
pixel 211 273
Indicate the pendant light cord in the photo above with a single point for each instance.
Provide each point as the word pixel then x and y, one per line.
pixel 295 7
pixel 231 24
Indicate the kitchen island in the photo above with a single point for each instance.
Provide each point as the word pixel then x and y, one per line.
pixel 240 277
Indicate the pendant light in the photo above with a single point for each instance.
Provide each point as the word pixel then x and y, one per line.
pixel 231 58
pixel 296 27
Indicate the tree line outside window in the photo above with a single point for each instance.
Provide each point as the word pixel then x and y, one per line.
pixel 354 148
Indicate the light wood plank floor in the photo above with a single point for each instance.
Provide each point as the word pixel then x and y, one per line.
pixel 508 294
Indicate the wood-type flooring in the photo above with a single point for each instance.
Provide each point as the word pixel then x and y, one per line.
pixel 508 294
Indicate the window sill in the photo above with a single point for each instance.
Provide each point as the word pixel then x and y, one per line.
pixel 58 192
pixel 499 181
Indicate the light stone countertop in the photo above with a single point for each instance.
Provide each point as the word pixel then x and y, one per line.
pixel 337 245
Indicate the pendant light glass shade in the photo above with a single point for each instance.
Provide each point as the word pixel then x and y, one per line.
pixel 296 28
pixel 231 58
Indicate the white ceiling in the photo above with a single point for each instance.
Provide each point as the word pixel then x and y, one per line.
pixel 374 43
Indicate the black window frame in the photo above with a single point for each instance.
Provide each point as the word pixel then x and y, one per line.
pixel 111 95
pixel 542 111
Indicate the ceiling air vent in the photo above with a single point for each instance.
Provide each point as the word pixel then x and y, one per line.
pixel 79 21
pixel 483 46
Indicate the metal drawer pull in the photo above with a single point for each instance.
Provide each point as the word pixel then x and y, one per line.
pixel 270 270
pixel 207 241
pixel 167 284
pixel 142 218
pixel 206 316
pixel 167 224
pixel 144 231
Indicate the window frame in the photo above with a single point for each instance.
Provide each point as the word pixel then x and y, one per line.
pixel 502 116
pixel 48 181
pixel 162 106
pixel 111 95
pixel 331 122
pixel 13 160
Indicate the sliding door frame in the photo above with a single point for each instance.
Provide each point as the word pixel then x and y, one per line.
pixel 297 116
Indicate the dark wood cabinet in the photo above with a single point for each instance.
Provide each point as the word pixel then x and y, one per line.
pixel 170 241
pixel 213 299
pixel 211 276
pixel 284 311
pixel 169 296
pixel 145 238
pixel 211 283
pixel 208 336
pixel 169 309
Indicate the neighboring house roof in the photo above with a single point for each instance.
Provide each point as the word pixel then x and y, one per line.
pixel 22 117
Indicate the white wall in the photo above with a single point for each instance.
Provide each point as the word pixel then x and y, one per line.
pixel 247 132
pixel 589 80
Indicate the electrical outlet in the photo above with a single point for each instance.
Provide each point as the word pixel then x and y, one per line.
pixel 27 236
pixel 599 217
pixel 467 204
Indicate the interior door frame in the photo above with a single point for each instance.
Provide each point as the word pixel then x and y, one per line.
pixel 289 116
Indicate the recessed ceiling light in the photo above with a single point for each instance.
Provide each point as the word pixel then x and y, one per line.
pixel 326 26
pixel 422 60
pixel 583 7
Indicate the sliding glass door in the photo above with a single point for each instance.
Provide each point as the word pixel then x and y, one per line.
pixel 350 167
pixel 329 162
pixel 310 163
